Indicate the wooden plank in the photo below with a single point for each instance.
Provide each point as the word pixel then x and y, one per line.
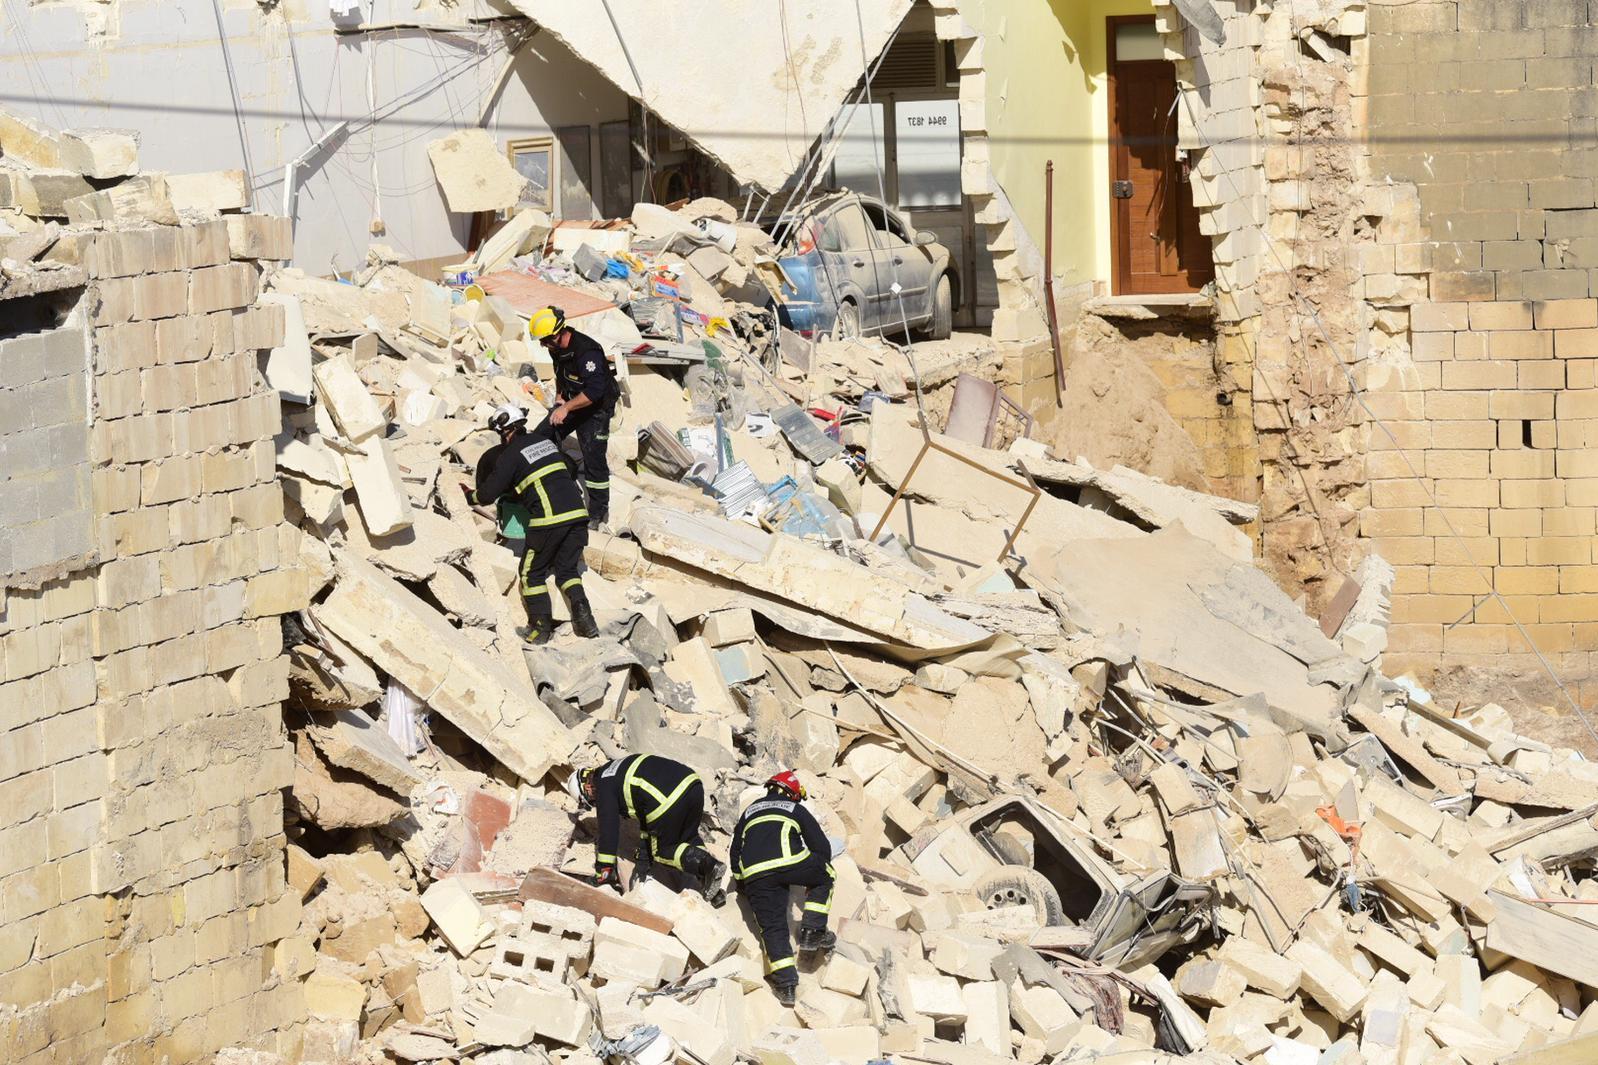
pixel 1545 938
pixel 1581 1050
pixel 547 885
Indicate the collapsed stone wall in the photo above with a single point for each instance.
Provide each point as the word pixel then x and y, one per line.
pixel 142 748
pixel 1269 122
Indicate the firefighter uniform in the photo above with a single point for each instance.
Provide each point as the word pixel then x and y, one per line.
pixel 531 472
pixel 581 367
pixel 779 844
pixel 667 800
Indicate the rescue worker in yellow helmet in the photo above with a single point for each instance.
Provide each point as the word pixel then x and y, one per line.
pixel 668 800
pixel 778 844
pixel 586 387
pixel 529 469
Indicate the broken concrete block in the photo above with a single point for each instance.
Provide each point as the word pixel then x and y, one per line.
pixel 669 956
pixel 821 1008
pixel 693 662
pixel 384 505
pixel 354 410
pixel 844 975
pixel 51 190
pixel 1041 1013
pixel 855 1044
pixel 1209 982
pixel 841 485
pixel 332 996
pixel 726 627
pixel 305 873
pixel 136 200
pixel 698 928
pixel 987 1021
pixel 706 1041
pixel 212 190
pixel 1265 970
pixel 788 1046
pixel 1327 980
pixel 936 677
pixel 473 172
pixel 937 996
pixel 100 153
pixel 460 918
pixel 962 954
pixel 355 742
pixel 556 1014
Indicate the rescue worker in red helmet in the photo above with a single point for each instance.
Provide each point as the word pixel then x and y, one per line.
pixel 778 844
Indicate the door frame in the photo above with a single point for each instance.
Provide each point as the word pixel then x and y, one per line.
pixel 1112 23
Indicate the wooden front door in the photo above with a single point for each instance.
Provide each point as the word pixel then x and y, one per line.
pixel 1157 246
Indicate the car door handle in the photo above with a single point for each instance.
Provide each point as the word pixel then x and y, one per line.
pixel 897 261
pixel 858 263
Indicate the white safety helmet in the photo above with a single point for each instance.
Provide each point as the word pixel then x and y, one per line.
pixel 574 788
pixel 505 416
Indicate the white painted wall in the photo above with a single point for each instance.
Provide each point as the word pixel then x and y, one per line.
pixel 157 68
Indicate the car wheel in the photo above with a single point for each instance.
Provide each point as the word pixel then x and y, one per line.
pixel 1018 885
pixel 847 325
pixel 942 323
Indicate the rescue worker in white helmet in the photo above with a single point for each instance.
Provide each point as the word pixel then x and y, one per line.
pixel 668 801
pixel 530 470
pixel 778 844
pixel 587 389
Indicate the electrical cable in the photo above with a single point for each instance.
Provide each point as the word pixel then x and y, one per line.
pixel 643 107
pixel 233 88
pixel 1358 394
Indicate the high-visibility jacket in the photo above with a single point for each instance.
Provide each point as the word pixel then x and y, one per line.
pixel 531 470
pixel 775 834
pixel 642 786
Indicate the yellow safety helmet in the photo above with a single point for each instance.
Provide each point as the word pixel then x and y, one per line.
pixel 546 323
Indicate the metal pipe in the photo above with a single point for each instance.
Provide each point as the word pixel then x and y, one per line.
pixel 504 76
pixel 1048 282
pixel 291 186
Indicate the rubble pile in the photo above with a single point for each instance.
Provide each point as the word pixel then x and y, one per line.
pixel 1096 788
pixel 1105 795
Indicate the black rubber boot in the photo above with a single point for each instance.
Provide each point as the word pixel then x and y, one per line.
pixel 787 994
pixel 703 867
pixel 815 939
pixel 537 635
pixel 583 623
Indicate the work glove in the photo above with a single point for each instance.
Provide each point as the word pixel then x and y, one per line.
pixel 606 876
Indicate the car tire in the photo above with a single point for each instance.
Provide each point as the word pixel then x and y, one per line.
pixel 942 323
pixel 1019 885
pixel 847 325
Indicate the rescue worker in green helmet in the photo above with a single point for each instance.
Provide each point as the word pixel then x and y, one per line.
pixel 776 845
pixel 587 389
pixel 529 469
pixel 667 799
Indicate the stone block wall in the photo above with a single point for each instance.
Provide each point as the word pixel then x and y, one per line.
pixel 1487 112
pixel 142 748
pixel 46 526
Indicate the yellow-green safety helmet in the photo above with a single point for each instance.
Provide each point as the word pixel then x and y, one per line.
pixel 546 323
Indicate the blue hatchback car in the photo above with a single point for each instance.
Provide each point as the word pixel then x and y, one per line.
pixel 858 268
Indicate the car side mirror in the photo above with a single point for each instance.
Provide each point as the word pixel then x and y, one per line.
pixel 923 238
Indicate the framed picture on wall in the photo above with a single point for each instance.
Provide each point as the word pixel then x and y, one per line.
pixel 534 159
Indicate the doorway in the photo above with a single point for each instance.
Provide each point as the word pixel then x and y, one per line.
pixel 1156 245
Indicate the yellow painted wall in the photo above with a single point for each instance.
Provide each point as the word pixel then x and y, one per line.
pixel 1047 99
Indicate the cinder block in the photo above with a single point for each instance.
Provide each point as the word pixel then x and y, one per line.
pixel 159 295
pixel 613 932
pixel 259 236
pixel 460 918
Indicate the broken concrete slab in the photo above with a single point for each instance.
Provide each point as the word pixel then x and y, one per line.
pixel 473 173
pixel 412 642
pixel 211 190
pixel 355 742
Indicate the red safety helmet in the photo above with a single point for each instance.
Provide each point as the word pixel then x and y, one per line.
pixel 788 781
